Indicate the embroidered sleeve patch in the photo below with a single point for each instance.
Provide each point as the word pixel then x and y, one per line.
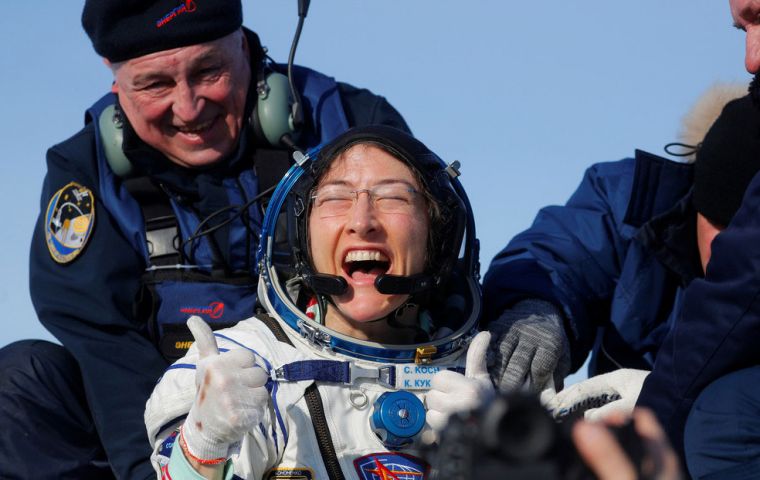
pixel 391 465
pixel 69 220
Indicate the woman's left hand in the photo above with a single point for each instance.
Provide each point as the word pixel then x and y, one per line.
pixel 452 392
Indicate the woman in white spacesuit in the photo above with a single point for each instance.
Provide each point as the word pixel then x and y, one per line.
pixel 369 311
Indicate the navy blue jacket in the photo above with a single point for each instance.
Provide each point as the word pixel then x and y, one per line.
pixel 717 330
pixel 615 258
pixel 89 303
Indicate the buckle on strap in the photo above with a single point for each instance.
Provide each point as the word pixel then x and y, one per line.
pixel 385 376
pixel 334 371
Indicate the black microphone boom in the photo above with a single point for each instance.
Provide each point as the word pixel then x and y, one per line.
pixel 296 109
pixel 303 8
pixel 325 284
pixel 398 285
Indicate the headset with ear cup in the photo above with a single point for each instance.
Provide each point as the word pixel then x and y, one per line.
pixel 278 114
pixel 271 119
pixel 111 127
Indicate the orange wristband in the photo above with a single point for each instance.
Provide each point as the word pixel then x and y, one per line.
pixel 186 451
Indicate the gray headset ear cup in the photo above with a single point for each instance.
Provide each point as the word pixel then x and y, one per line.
pixel 272 116
pixel 112 136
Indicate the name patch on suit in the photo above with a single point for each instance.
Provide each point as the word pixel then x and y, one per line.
pixel 418 377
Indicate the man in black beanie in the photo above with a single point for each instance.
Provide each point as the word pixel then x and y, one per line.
pixel 707 370
pixel 700 346
pixel 704 385
pixel 150 214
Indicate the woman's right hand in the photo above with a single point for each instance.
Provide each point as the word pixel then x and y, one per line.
pixel 230 401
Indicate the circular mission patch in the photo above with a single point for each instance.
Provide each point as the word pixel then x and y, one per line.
pixel 69 220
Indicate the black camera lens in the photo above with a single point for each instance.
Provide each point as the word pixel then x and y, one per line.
pixel 518 428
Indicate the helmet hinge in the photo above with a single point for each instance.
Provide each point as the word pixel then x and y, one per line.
pixel 314 335
pixel 424 355
pixel 453 169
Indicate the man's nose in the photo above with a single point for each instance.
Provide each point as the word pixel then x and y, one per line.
pixel 752 52
pixel 187 102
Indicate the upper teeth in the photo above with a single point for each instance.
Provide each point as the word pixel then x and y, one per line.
pixel 195 129
pixel 365 255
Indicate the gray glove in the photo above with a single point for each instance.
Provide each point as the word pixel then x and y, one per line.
pixel 529 347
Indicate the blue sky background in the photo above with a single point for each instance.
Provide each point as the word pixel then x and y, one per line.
pixel 525 94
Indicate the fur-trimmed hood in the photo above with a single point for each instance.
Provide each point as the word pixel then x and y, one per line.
pixel 705 111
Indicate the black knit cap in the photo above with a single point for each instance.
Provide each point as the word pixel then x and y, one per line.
pixel 727 160
pixel 124 29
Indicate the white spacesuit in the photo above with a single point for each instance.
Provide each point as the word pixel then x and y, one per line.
pixel 377 400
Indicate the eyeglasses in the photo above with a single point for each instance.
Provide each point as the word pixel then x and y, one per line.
pixel 334 201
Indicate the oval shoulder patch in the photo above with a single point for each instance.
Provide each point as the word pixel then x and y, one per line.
pixel 395 465
pixel 69 220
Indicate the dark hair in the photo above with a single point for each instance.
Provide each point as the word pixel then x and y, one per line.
pixel 434 211
pixel 450 219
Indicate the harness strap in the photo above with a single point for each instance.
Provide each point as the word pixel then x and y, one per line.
pixel 271 165
pixel 316 409
pixel 161 226
pixel 319 370
pixel 335 371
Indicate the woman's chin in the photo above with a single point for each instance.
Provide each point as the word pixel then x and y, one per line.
pixel 367 310
pixel 364 315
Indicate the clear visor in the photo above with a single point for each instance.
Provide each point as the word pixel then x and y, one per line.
pixel 436 322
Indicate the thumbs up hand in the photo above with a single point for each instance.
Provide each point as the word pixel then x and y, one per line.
pixel 452 392
pixel 231 398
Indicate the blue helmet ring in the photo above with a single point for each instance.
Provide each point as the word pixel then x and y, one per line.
pixel 448 289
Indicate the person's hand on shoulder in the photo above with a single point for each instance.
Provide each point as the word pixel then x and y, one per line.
pixel 530 347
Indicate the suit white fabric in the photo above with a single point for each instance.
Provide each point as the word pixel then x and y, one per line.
pixel 285 437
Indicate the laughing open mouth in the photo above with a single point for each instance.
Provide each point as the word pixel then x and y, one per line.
pixel 196 129
pixel 359 264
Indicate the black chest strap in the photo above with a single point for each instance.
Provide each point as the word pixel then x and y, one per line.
pixel 270 166
pixel 316 409
pixel 162 234
pixel 161 226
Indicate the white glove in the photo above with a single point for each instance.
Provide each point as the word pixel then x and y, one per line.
pixel 452 392
pixel 598 396
pixel 231 398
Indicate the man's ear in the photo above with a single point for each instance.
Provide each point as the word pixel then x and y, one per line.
pixel 114 85
pixel 246 48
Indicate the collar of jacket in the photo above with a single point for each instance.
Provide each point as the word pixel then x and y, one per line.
pixel 658 184
pixel 672 239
